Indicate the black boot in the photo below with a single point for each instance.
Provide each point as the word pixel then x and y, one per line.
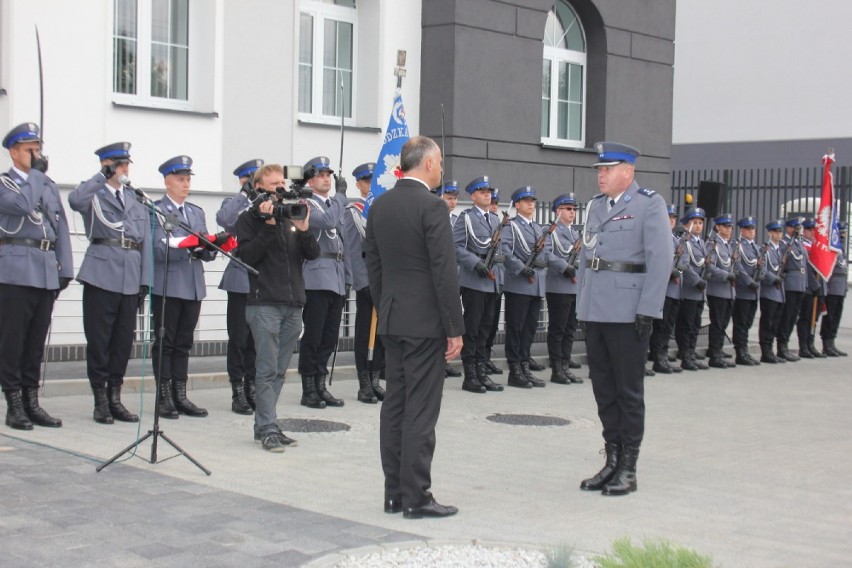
pixel 784 353
pixel 830 349
pixel 526 370
pixel 624 480
pixel 661 364
pixel 116 408
pixel 745 358
pixel 15 416
pixel 183 404
pixel 557 372
pixel 471 382
pixel 375 376
pixel 697 360
pixel 248 386
pixel 239 404
pixel 365 388
pixel 451 372
pixel 601 478
pixel 686 362
pixel 567 365
pixel 485 380
pixel 535 365
pixel 814 351
pixel 490 367
pixel 767 356
pixel 165 400
pixel 804 351
pixel 101 414
pixel 324 394
pixel 310 397
pixel 36 413
pixel 517 378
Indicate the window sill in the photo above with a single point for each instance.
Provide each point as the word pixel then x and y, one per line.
pixel 211 114
pixel 557 146
pixel 317 124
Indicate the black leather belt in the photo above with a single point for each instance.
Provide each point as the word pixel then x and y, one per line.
pixel 120 243
pixel 40 244
pixel 338 256
pixel 598 264
pixel 498 258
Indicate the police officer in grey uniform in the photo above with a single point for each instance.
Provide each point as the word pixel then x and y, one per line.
pixel 35 265
pixel 692 291
pixel 747 289
pixel 561 290
pixel 183 292
pixel 499 271
pixel 795 283
pixel 721 279
pixel 355 225
pixel 625 264
pixel 771 293
pixel 325 284
pixel 837 287
pixel 473 235
pixel 235 281
pixel 811 300
pixel 663 327
pixel 449 193
pixel 116 276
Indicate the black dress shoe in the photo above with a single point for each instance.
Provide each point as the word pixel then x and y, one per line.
pixel 452 372
pixel 393 505
pixel 430 509
pixel 535 365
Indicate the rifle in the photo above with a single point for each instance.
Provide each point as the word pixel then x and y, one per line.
pixel 735 257
pixel 782 266
pixel 494 247
pixel 572 256
pixel 761 261
pixel 679 251
pixel 707 258
pixel 539 246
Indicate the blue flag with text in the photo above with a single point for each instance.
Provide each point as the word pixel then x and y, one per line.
pixel 387 170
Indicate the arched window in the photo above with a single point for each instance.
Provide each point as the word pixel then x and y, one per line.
pixel 563 85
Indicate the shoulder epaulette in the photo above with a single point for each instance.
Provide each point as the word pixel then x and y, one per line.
pixel 647 192
pixel 598 196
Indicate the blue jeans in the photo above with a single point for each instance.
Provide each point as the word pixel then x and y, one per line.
pixel 275 330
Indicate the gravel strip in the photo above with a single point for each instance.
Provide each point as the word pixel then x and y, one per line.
pixel 467 556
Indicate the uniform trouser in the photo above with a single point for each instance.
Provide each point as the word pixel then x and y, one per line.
pixel 363 318
pixel 415 379
pixel 241 352
pixel 179 323
pixel 720 316
pixel 522 313
pixel 664 326
pixel 744 311
pixel 789 315
pixel 770 319
pixel 617 369
pixel 276 329
pixel 806 312
pixel 109 319
pixel 688 324
pixel 24 322
pixel 831 319
pixel 478 314
pixel 561 324
pixel 321 319
pixel 495 323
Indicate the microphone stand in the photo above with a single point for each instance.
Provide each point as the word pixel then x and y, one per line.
pixel 166 221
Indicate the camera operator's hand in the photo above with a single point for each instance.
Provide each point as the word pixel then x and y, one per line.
pixel 302 224
pixel 108 171
pixel 265 208
pixel 38 162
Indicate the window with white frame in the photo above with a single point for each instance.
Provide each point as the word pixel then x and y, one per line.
pixel 563 85
pixel 327 40
pixel 151 50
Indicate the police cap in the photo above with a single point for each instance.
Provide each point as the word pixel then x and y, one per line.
pixel 176 165
pixel 26 132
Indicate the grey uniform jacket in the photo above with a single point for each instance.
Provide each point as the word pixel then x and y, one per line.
pixel 771 269
pixel 186 274
pixel 696 253
pixel 472 238
pixel 235 277
pixel 32 209
pixel 675 285
pixel 720 267
pixel 518 240
pixel 794 272
pixel 113 268
pixel 562 240
pixel 838 284
pixel 635 230
pixel 749 253
pixel 354 232
pixel 330 270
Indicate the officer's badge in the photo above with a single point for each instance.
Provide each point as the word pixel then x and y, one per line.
pixel 627 198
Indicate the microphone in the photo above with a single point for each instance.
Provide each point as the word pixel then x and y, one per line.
pixel 125 181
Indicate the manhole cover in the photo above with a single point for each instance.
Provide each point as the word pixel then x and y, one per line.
pixel 528 420
pixel 308 425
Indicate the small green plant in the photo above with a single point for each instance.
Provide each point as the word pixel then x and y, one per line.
pixel 559 557
pixel 652 554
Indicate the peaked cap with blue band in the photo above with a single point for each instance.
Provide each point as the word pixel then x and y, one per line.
pixel 118 152
pixel 495 195
pixel 176 165
pixel 724 219
pixel 564 199
pixel 809 223
pixel 747 222
pixel 248 168
pixel 318 164
pixel 522 193
pixel 776 225
pixel 694 213
pixel 364 171
pixel 478 183
pixel 794 221
pixel 614 153
pixel 26 132
pixel 671 210
pixel 451 186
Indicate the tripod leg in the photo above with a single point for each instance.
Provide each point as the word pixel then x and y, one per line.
pixel 125 450
pixel 184 454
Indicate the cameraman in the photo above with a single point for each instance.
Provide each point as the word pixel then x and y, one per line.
pixel 276 246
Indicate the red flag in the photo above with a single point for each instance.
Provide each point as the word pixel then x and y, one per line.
pixel 820 255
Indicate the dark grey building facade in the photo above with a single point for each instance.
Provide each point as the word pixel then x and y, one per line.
pixel 483 61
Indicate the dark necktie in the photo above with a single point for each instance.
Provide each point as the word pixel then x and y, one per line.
pixel 328 202
pixel 118 196
pixel 611 203
pixel 180 209
pixel 487 221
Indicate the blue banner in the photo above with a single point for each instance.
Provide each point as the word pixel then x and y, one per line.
pixel 387 170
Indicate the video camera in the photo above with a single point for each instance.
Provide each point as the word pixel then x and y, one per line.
pixel 287 204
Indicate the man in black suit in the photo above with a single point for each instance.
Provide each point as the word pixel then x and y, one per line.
pixel 411 263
